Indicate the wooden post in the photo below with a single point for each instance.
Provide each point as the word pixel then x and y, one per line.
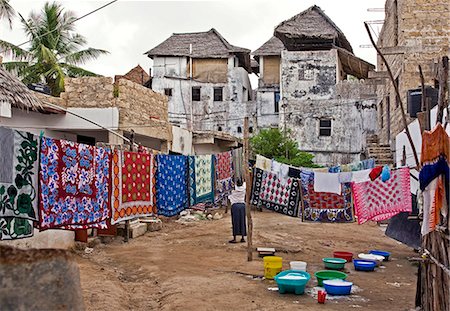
pixel 248 192
pixel 443 80
pixel 397 93
pixel 127 222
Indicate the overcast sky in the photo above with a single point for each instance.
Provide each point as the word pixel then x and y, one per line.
pixel 127 29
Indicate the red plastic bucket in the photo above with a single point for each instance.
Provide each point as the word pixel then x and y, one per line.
pixel 344 255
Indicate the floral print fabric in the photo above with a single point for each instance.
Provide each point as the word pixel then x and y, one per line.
pixel 224 176
pixel 171 185
pixel 74 182
pixel 201 179
pixel 18 183
pixel 134 179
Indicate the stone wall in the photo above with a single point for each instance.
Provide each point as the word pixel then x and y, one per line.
pixel 136 75
pixel 423 27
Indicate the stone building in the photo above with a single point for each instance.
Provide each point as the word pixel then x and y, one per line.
pixel 415 32
pixel 137 75
pixel 312 84
pixel 206 81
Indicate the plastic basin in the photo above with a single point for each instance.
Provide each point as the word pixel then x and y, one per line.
pixel 343 255
pixel 298 265
pixel 380 253
pixel 329 275
pixel 338 287
pixel 364 265
pixel 334 263
pixel 376 258
pixel 272 266
pixel 290 281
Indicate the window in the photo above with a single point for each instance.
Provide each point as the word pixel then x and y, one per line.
pixel 305 74
pixel 218 94
pixel 277 102
pixel 239 129
pixel 219 129
pixel 168 92
pixel 195 94
pixel 250 129
pixel 325 127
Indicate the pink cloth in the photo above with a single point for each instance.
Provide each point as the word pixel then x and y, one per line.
pixel 377 200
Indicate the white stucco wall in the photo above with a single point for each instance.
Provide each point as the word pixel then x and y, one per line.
pixel 181 141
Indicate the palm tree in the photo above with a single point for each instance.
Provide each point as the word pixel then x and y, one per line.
pixel 6 11
pixel 54 50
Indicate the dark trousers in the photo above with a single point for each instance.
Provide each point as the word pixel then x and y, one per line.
pixel 238 219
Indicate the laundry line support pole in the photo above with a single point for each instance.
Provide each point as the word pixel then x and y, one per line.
pixel 248 192
pixel 127 222
pixel 397 93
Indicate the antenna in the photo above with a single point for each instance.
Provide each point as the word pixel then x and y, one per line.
pixel 375 10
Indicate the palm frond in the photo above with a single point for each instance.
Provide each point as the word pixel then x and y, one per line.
pixel 13 51
pixel 17 68
pixel 76 72
pixel 6 11
pixel 83 56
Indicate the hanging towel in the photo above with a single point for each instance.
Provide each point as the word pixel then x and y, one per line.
pixel 345 177
pixel 280 169
pixel 377 200
pixel 18 183
pixel 275 194
pixel 171 185
pixel 325 207
pixel 237 164
pixel 263 163
pixel 375 173
pixel 434 144
pixel 74 180
pixel 327 182
pixel 134 176
pixel 361 176
pixel 433 201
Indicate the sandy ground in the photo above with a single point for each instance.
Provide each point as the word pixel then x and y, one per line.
pixel 193 267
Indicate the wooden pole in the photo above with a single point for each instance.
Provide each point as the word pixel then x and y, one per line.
pixel 443 80
pixel 248 192
pixel 397 93
pixel 127 222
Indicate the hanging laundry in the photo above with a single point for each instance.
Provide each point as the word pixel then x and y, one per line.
pixel 334 169
pixel 361 176
pixel 434 144
pixel 74 180
pixel 263 163
pixel 18 183
pixel 238 166
pixel 281 196
pixel 377 200
pixel 345 177
pixel 201 179
pixel 385 173
pixel 327 182
pixel 134 185
pixel 280 169
pixel 375 173
pixel 431 171
pixel 294 172
pixel 325 207
pixel 224 176
pixel 171 184
pixel 433 202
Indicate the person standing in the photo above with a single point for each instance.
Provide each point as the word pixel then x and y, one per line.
pixel 237 200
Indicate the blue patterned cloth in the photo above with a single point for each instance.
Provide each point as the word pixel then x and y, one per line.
pixel 171 184
pixel 201 179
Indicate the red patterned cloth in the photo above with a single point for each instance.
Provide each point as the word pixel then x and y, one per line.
pixel 224 165
pixel 134 189
pixel 378 200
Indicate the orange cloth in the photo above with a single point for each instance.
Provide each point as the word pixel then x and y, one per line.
pixel 434 144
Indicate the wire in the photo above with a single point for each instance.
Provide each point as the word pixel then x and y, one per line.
pixel 57 28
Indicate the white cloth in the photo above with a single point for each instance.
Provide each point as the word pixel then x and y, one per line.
pixel 327 182
pixel 263 163
pixel 280 169
pixel 237 195
pixel 345 177
pixel 361 176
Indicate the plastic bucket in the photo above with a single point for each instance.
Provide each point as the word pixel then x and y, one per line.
pixel 272 266
pixel 298 265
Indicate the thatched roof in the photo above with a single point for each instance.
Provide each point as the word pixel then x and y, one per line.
pixel 208 44
pixel 311 29
pixel 272 47
pixel 15 92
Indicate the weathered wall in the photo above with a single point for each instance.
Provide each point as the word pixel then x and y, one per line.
pixel 310 91
pixel 424 26
pixel 265 101
pixel 181 141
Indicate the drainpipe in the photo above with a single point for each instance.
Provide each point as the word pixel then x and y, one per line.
pixel 190 86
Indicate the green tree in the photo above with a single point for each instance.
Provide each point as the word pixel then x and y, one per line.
pixel 6 11
pixel 273 144
pixel 54 52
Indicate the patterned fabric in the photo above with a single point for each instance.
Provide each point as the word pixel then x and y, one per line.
pixel 74 181
pixel 238 164
pixel 433 202
pixel 224 176
pixel 378 200
pixel 171 184
pixel 201 177
pixel 18 183
pixel 133 177
pixel 271 192
pixel 434 144
pixel 263 163
pixel 323 206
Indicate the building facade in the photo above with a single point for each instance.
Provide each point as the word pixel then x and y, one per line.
pixel 205 79
pixel 312 84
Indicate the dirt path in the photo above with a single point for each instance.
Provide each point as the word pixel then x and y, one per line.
pixel 193 267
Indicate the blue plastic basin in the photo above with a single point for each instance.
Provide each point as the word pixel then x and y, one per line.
pixel 364 265
pixel 381 253
pixel 338 287
pixel 295 285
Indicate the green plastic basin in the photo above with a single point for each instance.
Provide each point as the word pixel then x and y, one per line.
pixel 329 275
pixel 334 263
